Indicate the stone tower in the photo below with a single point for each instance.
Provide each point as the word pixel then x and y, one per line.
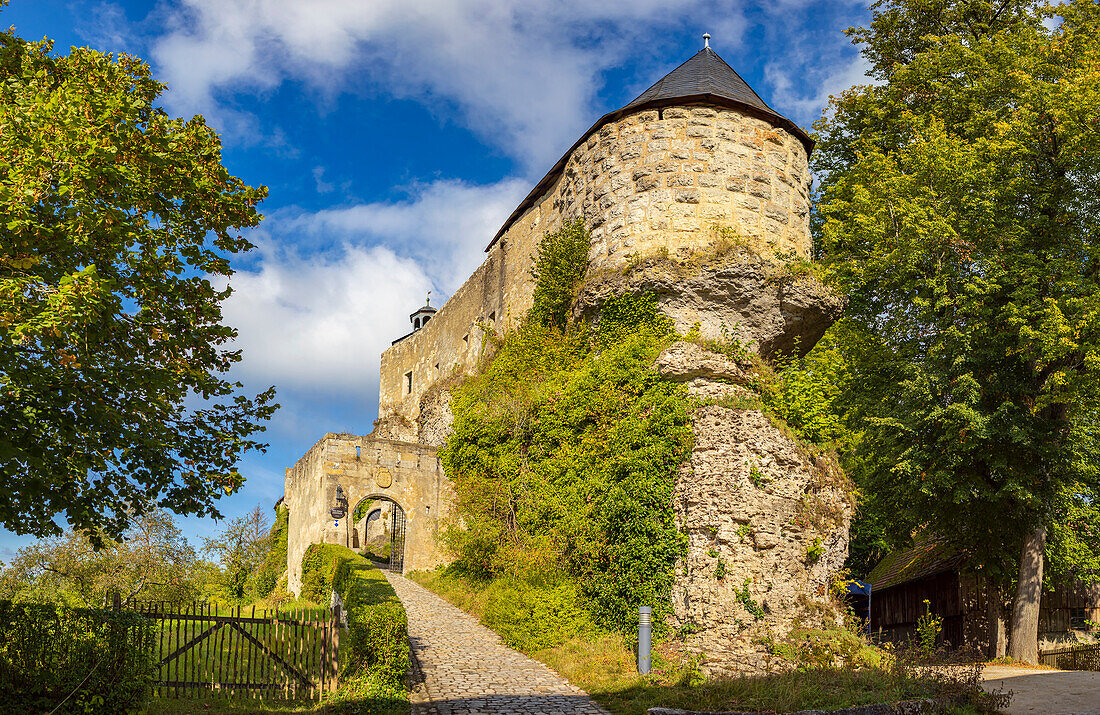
pixel 697 191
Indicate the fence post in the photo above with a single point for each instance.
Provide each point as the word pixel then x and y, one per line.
pixel 335 653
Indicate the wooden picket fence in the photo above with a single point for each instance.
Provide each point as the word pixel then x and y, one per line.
pixel 204 651
pixel 1080 657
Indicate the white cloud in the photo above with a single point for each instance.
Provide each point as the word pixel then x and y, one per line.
pixel 323 187
pixel 444 225
pixel 318 316
pixel 824 81
pixel 522 75
pixel 322 322
pixel 817 62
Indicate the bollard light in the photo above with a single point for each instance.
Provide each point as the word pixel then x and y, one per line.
pixel 645 633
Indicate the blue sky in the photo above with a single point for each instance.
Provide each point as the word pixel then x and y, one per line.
pixel 396 136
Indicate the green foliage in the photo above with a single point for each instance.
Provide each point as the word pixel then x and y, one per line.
pixel 118 224
pixel 565 451
pixel 815 550
pixel 727 345
pixel 559 267
pixel 377 642
pixel 105 658
pixel 624 316
pixel 757 476
pixel 263 581
pixel 532 616
pixel 1074 543
pixel 720 570
pixel 319 565
pixel 746 600
pixel 153 562
pixel 960 213
pixel 806 393
pixel 243 550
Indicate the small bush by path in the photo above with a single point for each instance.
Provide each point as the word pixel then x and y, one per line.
pixel 375 648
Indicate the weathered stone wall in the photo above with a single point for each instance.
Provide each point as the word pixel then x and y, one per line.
pixel 365 467
pixel 655 181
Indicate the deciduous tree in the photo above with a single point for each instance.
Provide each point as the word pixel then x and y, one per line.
pixel 153 561
pixel 960 210
pixel 117 223
pixel 240 549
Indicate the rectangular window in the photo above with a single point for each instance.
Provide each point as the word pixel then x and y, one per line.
pixel 1077 618
pixel 408 383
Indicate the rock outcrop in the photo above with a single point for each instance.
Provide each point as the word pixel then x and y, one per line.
pixel 766 519
pixel 768 306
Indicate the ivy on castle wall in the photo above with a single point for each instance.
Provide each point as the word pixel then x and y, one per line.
pixel 566 448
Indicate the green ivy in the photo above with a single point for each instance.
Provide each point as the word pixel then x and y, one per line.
pixel 264 580
pixel 746 600
pixel 559 267
pixel 566 449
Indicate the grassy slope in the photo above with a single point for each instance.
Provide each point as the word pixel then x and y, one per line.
pixel 605 667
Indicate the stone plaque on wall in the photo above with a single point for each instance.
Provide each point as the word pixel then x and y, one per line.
pixel 383 478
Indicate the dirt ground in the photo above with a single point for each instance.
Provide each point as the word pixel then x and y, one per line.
pixel 1046 692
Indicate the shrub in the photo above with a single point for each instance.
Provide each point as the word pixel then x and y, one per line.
pixel 815 648
pixel 271 568
pixel 102 661
pixel 532 616
pixel 377 642
pixel 566 447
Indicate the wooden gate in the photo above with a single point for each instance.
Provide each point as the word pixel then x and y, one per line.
pixel 207 652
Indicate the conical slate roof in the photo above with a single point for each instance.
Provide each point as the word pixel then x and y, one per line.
pixel 706 78
pixel 705 73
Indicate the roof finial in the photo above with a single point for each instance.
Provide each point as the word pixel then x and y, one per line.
pixel 706 40
pixel 428 300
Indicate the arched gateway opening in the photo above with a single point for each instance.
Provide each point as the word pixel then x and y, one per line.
pixel 378 531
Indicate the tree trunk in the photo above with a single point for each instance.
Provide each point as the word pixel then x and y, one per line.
pixel 995 614
pixel 1023 645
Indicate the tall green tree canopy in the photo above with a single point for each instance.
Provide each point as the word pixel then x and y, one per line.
pixel 114 218
pixel 959 209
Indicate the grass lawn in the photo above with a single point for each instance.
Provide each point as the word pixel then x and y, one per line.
pixel 605 667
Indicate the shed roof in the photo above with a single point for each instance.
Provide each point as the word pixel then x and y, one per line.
pixel 704 78
pixel 928 556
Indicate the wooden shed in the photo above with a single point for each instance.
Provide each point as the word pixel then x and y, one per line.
pixel 935 571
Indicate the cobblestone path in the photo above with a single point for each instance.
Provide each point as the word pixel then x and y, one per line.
pixel 461 666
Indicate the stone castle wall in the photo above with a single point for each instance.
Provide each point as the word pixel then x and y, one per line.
pixel 652 181
pixel 365 467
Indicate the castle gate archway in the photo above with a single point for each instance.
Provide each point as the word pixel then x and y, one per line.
pixel 408 475
pixel 377 526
